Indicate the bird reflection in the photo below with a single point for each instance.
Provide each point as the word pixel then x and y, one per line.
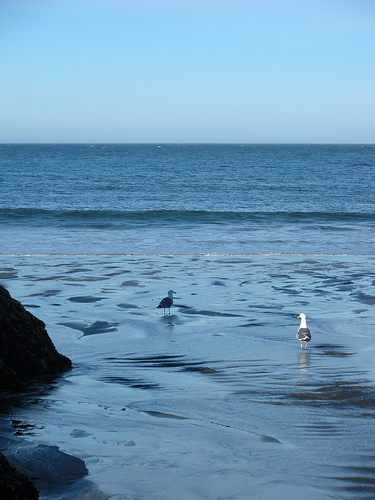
pixel 169 320
pixel 303 358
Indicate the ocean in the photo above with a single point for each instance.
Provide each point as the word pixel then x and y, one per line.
pixel 215 400
pixel 187 199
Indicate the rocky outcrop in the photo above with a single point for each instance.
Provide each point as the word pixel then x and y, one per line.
pixel 26 352
pixel 13 484
pixel 26 348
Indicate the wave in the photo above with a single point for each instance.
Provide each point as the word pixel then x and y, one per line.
pixel 119 217
pixel 210 255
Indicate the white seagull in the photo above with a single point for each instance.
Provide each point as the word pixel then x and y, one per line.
pixel 167 302
pixel 303 334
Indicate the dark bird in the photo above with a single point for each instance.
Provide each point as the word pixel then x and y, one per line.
pixel 303 334
pixel 167 302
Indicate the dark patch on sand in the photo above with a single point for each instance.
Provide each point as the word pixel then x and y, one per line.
pixel 191 310
pixel 270 439
pixel 8 274
pixel 47 293
pixel 79 270
pixel 93 329
pixel 160 414
pixel 253 323
pixel 287 289
pixel 115 273
pixel 339 394
pixel 50 468
pixel 85 299
pixel 100 327
pixel 201 369
pixel 130 283
pixel 79 433
pixel 21 427
pixel 55 277
pixel 131 382
pixel 364 298
pixel 127 306
pixel 167 361
pixel 332 350
pixel 75 325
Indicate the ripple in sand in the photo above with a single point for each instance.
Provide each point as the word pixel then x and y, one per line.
pixel 357 481
pixel 321 429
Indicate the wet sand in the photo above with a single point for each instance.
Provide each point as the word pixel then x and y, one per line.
pixel 216 400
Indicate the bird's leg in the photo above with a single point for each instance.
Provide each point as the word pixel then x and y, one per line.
pixel 301 345
pixel 305 345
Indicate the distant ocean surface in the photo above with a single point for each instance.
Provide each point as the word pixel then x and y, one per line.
pixel 188 199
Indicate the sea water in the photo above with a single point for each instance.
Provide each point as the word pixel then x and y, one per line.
pixel 215 400
pixel 187 199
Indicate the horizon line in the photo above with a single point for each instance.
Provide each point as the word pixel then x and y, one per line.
pixel 196 143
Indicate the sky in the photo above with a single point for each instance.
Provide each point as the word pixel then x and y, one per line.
pixel 187 71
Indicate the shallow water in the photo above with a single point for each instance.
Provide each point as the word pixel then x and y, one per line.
pixel 216 400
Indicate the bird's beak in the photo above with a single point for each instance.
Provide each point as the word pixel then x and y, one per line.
pixel 298 316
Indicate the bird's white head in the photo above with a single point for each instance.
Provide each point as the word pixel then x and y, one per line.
pixel 303 320
pixel 170 293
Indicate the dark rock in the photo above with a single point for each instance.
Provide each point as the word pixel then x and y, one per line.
pixel 26 348
pixel 26 352
pixel 50 468
pixel 13 484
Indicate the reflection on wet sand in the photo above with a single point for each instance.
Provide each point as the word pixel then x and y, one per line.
pixel 303 359
pixel 218 398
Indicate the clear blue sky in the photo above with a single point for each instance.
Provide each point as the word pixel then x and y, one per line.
pixel 187 71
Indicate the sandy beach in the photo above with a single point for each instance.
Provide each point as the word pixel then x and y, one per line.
pixel 215 400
